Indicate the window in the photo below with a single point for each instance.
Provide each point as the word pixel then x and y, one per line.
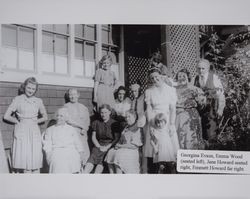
pixel 55 45
pixel 85 50
pixel 110 43
pixel 57 54
pixel 18 46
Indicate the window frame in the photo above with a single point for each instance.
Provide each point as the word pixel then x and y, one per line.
pixel 18 48
pixel 54 53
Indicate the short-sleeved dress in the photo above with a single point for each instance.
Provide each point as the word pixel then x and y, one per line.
pixel 167 145
pixel 80 114
pixel 188 120
pixel 127 158
pixel 160 100
pixel 105 89
pixel 27 145
pixel 62 146
pixel 105 134
pixel 3 159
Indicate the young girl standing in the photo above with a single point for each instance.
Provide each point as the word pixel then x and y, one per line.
pixel 63 146
pixel 23 112
pixel 165 145
pixel 125 155
pixel 105 82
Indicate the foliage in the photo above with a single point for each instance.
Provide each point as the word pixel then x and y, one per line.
pixel 234 130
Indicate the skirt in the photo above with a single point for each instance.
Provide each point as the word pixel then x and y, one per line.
pixel 126 159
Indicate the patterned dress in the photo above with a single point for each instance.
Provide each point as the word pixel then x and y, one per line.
pixel 105 89
pixel 188 121
pixel 27 145
pixel 127 158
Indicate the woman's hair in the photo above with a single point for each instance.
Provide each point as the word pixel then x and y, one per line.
pixel 120 89
pixel 66 95
pixel 184 70
pixel 105 57
pixel 160 117
pixel 105 106
pixel 30 80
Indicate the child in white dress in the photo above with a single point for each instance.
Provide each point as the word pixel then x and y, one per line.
pixel 62 145
pixel 165 145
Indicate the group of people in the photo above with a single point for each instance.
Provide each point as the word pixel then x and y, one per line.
pixel 141 134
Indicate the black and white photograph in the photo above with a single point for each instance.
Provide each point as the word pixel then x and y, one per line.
pixel 99 99
pixel 95 98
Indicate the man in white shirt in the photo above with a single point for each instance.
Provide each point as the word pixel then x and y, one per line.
pixel 211 85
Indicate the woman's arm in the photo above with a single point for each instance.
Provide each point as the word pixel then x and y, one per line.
pixel 96 84
pixel 95 141
pixel 155 146
pixel 8 114
pixel 172 115
pixel 43 113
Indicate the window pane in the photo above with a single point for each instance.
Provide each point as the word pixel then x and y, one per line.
pixel 78 49
pixel 105 34
pixel 79 30
pixel 9 34
pixel 61 45
pixel 47 42
pixel 90 32
pixel 48 27
pixel 61 28
pixel 26 38
pixel 89 51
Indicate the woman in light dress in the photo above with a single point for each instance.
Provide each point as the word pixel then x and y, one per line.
pixel 122 105
pixel 23 112
pixel 159 98
pixel 62 145
pixel 79 119
pixel 124 157
pixel 105 82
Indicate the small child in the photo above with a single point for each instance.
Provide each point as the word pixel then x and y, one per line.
pixel 165 145
pixel 62 145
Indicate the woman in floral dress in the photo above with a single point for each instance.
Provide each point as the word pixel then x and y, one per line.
pixel 188 121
